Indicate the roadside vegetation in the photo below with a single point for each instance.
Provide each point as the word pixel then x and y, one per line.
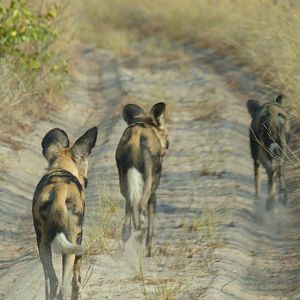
pixel 33 63
pixel 35 43
pixel 261 33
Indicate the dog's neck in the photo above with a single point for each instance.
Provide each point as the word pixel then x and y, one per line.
pixel 161 142
pixel 66 165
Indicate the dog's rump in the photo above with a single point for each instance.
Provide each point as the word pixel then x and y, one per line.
pixel 138 148
pixel 58 206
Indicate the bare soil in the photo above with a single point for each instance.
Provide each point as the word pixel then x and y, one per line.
pixel 212 240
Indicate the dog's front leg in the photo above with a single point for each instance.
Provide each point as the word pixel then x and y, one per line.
pixel 282 188
pixel 151 215
pixel 271 188
pixel 257 178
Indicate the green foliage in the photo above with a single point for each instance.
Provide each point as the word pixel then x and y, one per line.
pixel 25 34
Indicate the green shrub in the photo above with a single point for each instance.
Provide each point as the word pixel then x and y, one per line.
pixel 35 46
pixel 26 34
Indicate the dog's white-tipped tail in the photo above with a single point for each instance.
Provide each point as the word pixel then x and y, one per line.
pixel 60 244
pixel 135 185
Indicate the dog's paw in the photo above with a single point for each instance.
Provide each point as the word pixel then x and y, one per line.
pixel 143 220
pixel 283 197
pixel 270 204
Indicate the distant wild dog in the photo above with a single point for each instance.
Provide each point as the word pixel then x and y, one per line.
pixel 268 131
pixel 58 208
pixel 139 159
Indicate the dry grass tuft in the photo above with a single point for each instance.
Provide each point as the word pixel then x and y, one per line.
pixel 208 110
pixel 207 222
pixel 104 236
pixel 168 290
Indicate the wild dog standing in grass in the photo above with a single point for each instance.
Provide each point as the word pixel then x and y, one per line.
pixel 139 159
pixel 268 131
pixel 58 207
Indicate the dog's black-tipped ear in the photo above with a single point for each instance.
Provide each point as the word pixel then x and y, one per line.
pixel 253 107
pixel 279 99
pixel 133 113
pixel 84 145
pixel 158 114
pixel 53 141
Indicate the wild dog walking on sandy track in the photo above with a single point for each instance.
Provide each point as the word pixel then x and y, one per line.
pixel 139 159
pixel 58 208
pixel 268 131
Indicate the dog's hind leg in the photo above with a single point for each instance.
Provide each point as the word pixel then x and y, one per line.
pixel 76 281
pixel 257 178
pixel 126 230
pixel 151 215
pixel 135 215
pixel 68 264
pixel 51 281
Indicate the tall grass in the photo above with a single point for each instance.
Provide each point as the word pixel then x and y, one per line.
pixel 104 234
pixel 262 33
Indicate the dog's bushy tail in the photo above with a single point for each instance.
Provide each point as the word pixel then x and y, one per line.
pixel 60 244
pixel 135 185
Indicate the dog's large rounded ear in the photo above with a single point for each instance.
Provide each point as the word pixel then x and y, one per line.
pixel 158 113
pixel 133 113
pixel 84 145
pixel 279 99
pixel 53 141
pixel 253 107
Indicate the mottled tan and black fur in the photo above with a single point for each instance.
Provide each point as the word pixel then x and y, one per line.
pixel 139 159
pixel 58 208
pixel 268 131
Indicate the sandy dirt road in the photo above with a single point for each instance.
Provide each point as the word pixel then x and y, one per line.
pixel 212 240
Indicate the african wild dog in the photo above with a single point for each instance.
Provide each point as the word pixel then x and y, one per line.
pixel 139 159
pixel 268 131
pixel 58 208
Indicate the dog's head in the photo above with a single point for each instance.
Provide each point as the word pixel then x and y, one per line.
pixel 133 114
pixel 59 154
pixel 270 123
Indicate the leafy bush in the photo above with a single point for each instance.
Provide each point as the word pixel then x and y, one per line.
pixel 34 50
pixel 26 34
